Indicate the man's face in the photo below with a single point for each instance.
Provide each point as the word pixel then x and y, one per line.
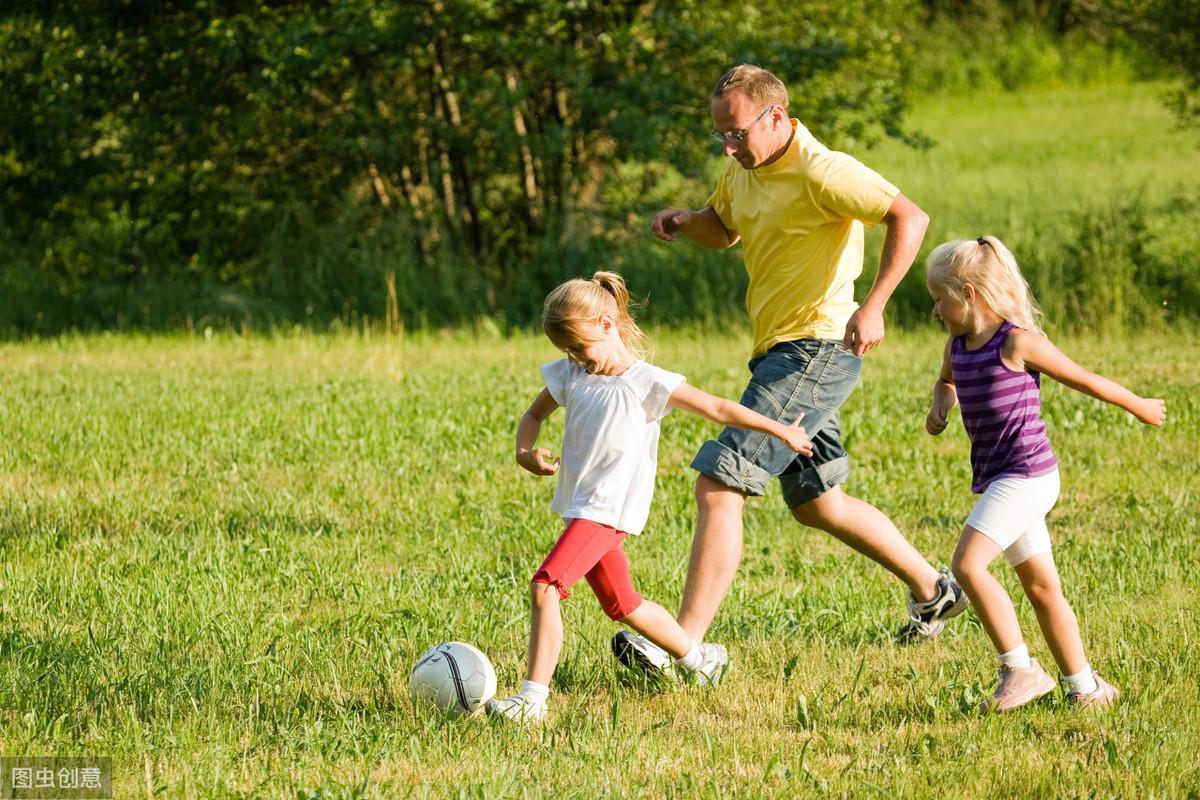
pixel 764 135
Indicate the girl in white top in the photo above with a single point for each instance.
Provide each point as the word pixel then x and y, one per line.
pixel 613 401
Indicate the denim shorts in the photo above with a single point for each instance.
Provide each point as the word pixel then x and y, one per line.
pixel 813 377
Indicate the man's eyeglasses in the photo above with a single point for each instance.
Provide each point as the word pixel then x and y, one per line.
pixel 737 137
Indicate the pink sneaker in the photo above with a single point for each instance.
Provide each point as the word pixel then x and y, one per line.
pixel 1105 695
pixel 1019 686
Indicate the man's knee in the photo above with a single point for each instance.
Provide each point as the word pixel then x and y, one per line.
pixel 712 495
pixel 822 512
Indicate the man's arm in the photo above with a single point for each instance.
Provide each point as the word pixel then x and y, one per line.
pixel 702 227
pixel 906 224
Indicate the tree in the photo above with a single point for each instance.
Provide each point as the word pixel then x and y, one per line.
pixel 168 143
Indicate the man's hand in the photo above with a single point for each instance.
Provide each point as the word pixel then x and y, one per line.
pixel 864 330
pixel 667 223
pixel 539 461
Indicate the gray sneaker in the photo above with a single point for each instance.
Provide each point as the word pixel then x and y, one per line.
pixel 642 655
pixel 712 668
pixel 927 620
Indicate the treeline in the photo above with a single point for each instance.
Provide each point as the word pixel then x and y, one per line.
pixel 428 162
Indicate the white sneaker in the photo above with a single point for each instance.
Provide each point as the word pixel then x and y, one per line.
pixel 712 667
pixel 517 708
pixel 640 654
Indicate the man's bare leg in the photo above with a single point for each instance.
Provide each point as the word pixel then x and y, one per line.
pixel 716 552
pixel 869 531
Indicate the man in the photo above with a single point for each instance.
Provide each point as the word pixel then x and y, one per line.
pixel 799 210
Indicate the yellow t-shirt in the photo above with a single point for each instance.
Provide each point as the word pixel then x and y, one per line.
pixel 801 222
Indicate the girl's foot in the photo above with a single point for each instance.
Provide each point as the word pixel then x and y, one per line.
pixel 1105 695
pixel 1019 686
pixel 517 708
pixel 712 669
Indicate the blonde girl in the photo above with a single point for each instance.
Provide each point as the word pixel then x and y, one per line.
pixel 991 367
pixel 614 400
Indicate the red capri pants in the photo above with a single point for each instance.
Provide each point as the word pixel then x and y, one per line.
pixel 590 550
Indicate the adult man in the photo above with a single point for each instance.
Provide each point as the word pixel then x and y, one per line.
pixel 799 210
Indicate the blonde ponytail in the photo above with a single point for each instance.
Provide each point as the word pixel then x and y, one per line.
pixel 631 334
pixel 991 268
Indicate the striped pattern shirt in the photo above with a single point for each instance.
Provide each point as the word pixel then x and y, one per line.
pixel 1001 412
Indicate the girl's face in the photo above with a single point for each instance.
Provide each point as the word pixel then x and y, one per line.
pixel 953 313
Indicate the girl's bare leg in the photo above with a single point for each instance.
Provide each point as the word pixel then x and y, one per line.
pixel 991 603
pixel 1039 577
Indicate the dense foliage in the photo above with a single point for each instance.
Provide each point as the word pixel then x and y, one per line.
pixel 151 151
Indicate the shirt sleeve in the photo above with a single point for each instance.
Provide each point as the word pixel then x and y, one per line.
pixel 657 390
pixel 721 200
pixel 557 375
pixel 852 190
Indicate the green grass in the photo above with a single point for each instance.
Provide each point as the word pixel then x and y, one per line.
pixel 1005 162
pixel 1093 188
pixel 221 557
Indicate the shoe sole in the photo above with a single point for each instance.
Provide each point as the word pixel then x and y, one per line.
pixel 1035 693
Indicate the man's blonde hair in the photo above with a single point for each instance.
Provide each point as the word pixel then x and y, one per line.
pixel 759 85
pixel 986 264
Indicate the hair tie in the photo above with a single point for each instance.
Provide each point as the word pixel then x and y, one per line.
pixel 981 241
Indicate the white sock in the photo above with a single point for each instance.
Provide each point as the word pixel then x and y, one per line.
pixel 694 658
pixel 1083 681
pixel 1017 657
pixel 535 693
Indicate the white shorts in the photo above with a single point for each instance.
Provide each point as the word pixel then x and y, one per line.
pixel 1012 513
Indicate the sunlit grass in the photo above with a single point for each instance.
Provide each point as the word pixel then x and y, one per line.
pixel 221 558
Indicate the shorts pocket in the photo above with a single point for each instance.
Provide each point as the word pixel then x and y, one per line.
pixel 837 378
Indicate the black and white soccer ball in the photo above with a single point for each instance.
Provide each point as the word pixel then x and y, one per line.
pixel 454 677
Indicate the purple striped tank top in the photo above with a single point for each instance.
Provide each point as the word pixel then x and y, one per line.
pixel 1001 412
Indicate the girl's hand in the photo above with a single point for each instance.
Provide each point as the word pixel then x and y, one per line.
pixel 1151 411
pixel 539 461
pixel 796 438
pixel 935 420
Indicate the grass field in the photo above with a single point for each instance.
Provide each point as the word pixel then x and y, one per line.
pixel 221 557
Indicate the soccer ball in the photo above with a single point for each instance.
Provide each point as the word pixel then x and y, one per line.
pixel 455 677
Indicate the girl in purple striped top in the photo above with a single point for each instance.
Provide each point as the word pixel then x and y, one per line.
pixel 992 367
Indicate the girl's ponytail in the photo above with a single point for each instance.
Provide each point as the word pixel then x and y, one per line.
pixel 614 284
pixel 1011 292
pixel 630 333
